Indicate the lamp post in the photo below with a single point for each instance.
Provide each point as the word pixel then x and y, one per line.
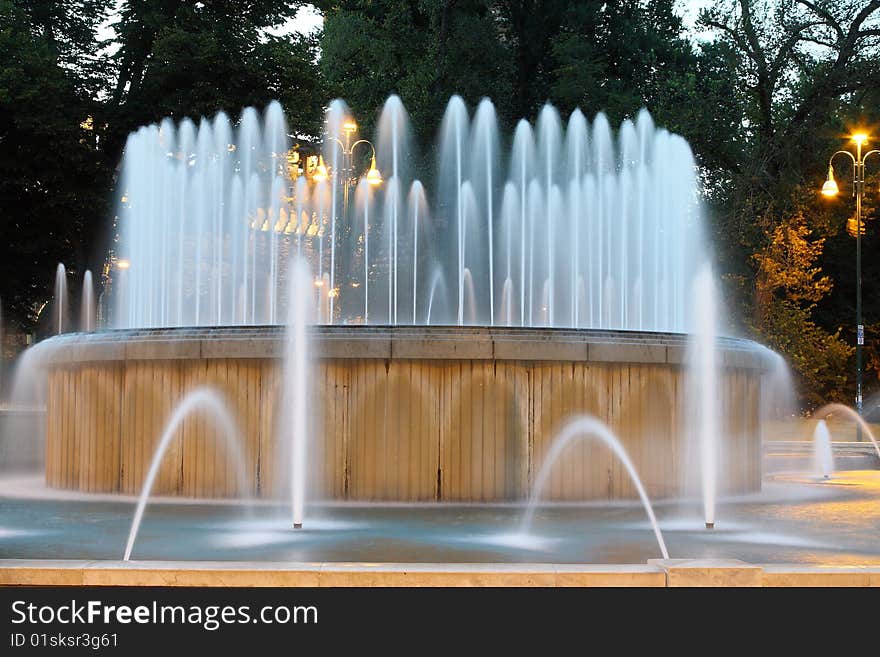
pixel 348 179
pixel 348 148
pixel 830 190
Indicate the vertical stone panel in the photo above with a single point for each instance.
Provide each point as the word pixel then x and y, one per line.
pixel 400 429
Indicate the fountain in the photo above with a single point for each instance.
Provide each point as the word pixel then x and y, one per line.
pixel 294 426
pixel 574 218
pixel 87 310
pixel 823 456
pixel 589 427
pixel 59 309
pixel 214 407
pixel 460 316
pixel 425 356
pixel 703 395
pixel 852 414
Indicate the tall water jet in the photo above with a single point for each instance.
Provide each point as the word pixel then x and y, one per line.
pixel 452 174
pixel 294 425
pixel 549 131
pixel 391 226
pixel 393 152
pixel 185 195
pixel 823 455
pixel 301 220
pixel 338 128
pixel 87 303
pixel 535 204
pixel 212 404
pixel 509 232
pixel 363 203
pixel 576 145
pixel 484 176
pixel 473 274
pixel 417 209
pixel 523 154
pixel 589 427
pixel 437 283
pixel 608 235
pixel 275 223
pixel 470 298
pixel 703 392
pixel 59 306
pixel 505 312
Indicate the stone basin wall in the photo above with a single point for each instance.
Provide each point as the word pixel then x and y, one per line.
pixel 401 413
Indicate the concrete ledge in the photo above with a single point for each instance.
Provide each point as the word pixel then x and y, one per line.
pixel 844 576
pixel 162 349
pixel 393 342
pixel 709 572
pixel 442 347
pixel 354 347
pixel 507 348
pixel 656 573
pixel 610 352
pixel 251 347
pixel 144 573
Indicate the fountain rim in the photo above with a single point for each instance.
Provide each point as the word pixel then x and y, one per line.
pixel 397 342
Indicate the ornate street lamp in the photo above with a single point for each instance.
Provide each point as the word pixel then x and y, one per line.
pixel 374 177
pixel 348 180
pixel 830 190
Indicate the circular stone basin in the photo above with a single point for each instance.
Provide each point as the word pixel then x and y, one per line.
pixel 401 413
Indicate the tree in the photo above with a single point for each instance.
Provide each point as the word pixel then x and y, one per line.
pixel 618 57
pixel 789 284
pixel 189 59
pixel 799 58
pixel 423 51
pixel 53 179
pixel 531 31
pixel 803 69
pixel 68 101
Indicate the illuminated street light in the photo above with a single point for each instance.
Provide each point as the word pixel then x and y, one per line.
pixel 830 186
pixel 855 227
pixel 348 180
pixel 374 178
pixel 321 173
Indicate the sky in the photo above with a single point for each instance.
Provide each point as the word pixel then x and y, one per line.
pixel 308 19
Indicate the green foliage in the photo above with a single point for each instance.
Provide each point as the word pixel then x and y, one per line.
pixel 423 51
pixel 804 73
pixel 53 181
pixel 614 57
pixel 788 286
pixel 819 358
pixel 68 101
pixel 199 66
pixel 192 59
